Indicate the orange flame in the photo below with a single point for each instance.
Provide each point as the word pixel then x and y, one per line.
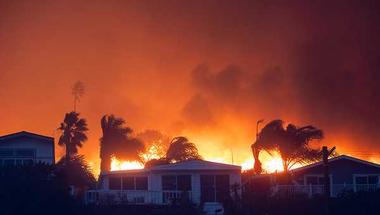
pixel 125 165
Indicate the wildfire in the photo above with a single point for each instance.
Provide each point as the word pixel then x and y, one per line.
pixel 269 165
pixel 125 165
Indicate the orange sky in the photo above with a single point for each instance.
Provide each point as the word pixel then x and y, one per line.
pixel 205 69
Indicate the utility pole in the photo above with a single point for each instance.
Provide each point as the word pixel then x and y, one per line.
pixel 326 173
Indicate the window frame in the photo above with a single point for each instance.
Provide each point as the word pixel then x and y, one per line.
pixel 175 182
pixel 214 187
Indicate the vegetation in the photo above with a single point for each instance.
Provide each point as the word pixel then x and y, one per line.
pixel 78 90
pixel 117 141
pixel 73 133
pixel 262 202
pixel 76 172
pixel 35 189
pixel 156 162
pixel 291 142
pixel 181 149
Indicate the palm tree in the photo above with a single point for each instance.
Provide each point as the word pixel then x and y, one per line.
pixel 116 141
pixel 291 142
pixel 180 149
pixel 73 133
pixel 78 91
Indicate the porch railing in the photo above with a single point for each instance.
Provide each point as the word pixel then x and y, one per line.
pixel 335 189
pixel 112 197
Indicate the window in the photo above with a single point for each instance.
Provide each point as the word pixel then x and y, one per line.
pixel 169 182
pixel 208 188
pixel 361 180
pixel 222 184
pixel 115 183
pixel 135 183
pixel 373 179
pixel 215 188
pixel 315 180
pixel 367 179
pixel 128 183
pixel 176 182
pixel 11 156
pixel 6 152
pixel 18 162
pixel 141 183
pixel 9 162
pixel 24 152
pixel 184 182
pixel 28 162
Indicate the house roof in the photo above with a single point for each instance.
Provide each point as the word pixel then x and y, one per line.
pixel 196 165
pixel 184 165
pixel 331 160
pixel 126 171
pixel 25 134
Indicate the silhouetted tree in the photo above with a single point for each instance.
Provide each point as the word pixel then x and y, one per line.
pixel 116 141
pixel 181 149
pixel 76 172
pixel 78 90
pixel 291 142
pixel 257 165
pixel 73 133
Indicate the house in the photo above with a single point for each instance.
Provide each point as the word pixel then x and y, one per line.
pixel 24 148
pixel 198 181
pixel 346 174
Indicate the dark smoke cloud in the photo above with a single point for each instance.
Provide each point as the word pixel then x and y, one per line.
pixel 233 88
pixel 331 77
pixel 197 111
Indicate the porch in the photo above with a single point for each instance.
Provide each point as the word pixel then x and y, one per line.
pixel 136 197
pixel 312 190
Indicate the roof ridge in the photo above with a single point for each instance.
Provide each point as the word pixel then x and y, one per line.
pixel 335 159
pixel 24 133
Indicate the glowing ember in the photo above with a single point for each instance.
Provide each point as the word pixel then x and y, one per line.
pixel 125 165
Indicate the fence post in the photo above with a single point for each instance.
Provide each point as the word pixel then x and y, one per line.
pixel 310 191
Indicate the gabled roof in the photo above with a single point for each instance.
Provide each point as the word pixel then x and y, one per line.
pixel 25 134
pixel 196 165
pixel 331 160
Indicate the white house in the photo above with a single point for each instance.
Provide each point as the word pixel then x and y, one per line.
pixel 196 180
pixel 26 148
